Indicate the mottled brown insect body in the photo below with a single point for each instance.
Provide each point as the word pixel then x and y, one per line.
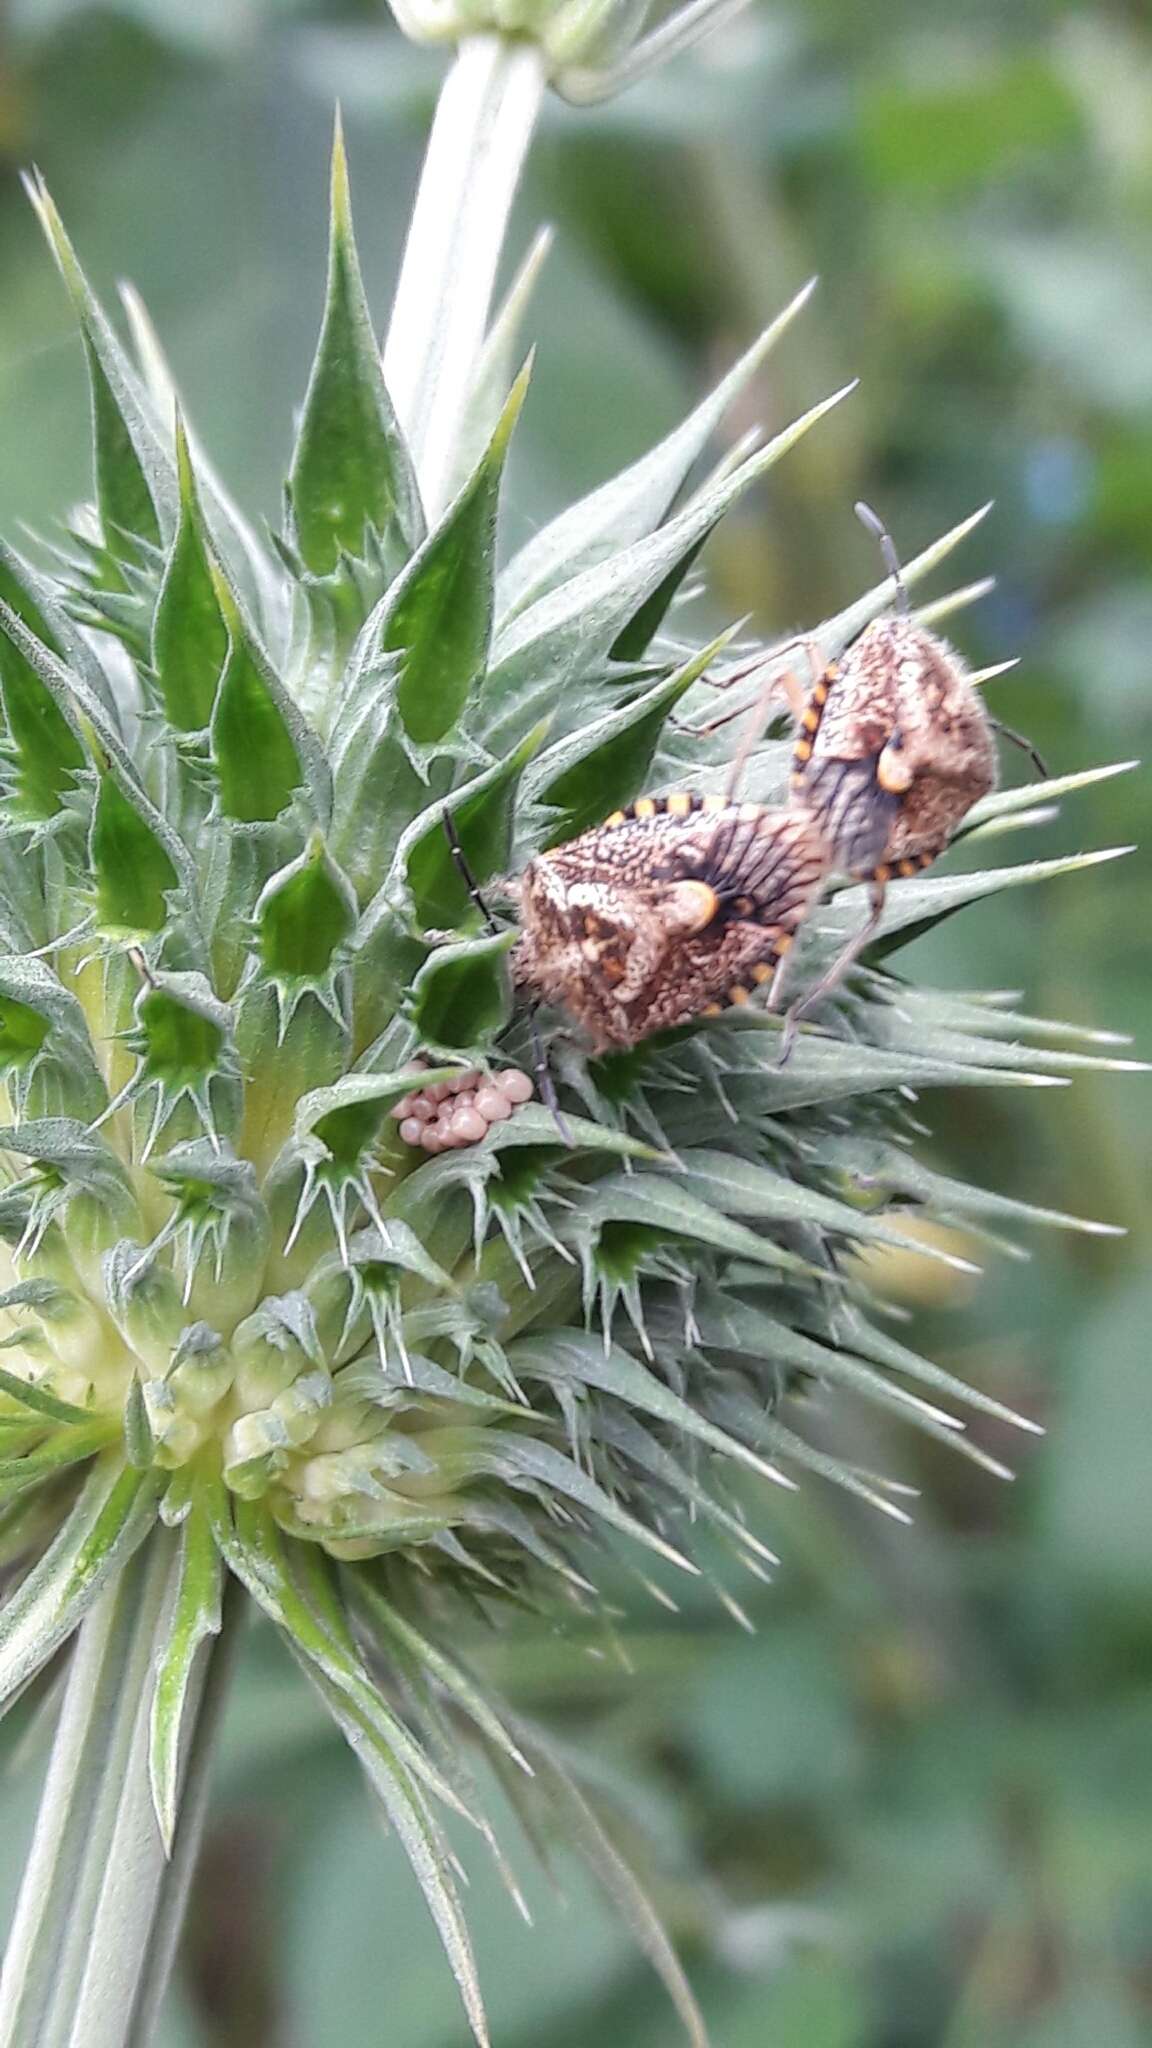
pixel 895 748
pixel 668 911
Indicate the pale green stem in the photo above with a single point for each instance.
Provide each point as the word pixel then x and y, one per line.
pixel 99 1906
pixel 484 122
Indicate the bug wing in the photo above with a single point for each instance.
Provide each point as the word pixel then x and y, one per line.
pixel 856 815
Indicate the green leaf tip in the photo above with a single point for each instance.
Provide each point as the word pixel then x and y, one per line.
pixel 461 998
pixel 194 1619
pixel 351 477
pixel 602 766
pixel 439 615
pixel 304 916
pixel 483 816
pixel 190 634
pixel 258 764
pixel 133 870
pixel 135 484
pixel 48 753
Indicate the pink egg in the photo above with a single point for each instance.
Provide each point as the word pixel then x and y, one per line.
pixel 402 1108
pixel 493 1105
pixel 422 1109
pixel 468 1126
pixel 432 1137
pixel 515 1085
pixel 412 1130
pixel 438 1091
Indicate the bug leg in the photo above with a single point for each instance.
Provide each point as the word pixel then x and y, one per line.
pixel 794 690
pixel 787 684
pixel 832 975
pixel 464 870
pixel 544 1081
pixel 1019 739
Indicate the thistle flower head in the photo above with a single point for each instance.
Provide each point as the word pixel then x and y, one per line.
pixel 381 1388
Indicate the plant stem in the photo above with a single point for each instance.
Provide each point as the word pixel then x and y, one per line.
pixel 99 1906
pixel 484 122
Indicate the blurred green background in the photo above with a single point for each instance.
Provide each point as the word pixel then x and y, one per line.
pixel 914 1810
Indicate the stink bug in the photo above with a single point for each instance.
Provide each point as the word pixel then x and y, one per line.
pixel 894 746
pixel 670 910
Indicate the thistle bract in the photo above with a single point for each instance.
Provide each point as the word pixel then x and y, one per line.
pixel 379 1389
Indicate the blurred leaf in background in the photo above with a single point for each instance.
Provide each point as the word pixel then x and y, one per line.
pixel 918 1800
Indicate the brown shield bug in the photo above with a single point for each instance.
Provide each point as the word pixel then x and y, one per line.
pixel 894 746
pixel 675 908
pixel 672 909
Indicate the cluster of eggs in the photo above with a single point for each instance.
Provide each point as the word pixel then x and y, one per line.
pixel 462 1110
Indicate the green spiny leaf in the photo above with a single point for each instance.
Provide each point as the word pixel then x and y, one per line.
pixel 460 996
pixel 189 632
pixel 483 813
pixel 29 596
pixel 665 1206
pixel 445 1670
pixel 304 915
pixel 524 1460
pixel 23 1031
pixel 917 905
pixel 496 365
pixel 40 1401
pixel 132 868
pixel 741 1187
pixel 346 1117
pixel 438 616
pixel 111 1518
pixel 263 750
pixel 92 723
pixel 351 475
pixel 183 1031
pixel 577 1355
pixel 194 1619
pixel 573 628
pixel 637 501
pixel 135 484
pixel 533 1124
pixel 48 753
pixel 418 1835
pixel 254 1548
pixel 45 1047
pixel 1028 795
pixel 581 1826
pixel 602 766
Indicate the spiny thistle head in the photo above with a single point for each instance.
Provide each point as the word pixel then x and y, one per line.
pixel 383 1389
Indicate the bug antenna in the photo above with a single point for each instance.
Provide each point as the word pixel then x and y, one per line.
pixel 876 527
pixel 1019 739
pixel 464 870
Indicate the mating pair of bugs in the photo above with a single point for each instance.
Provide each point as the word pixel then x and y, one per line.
pixel 682 904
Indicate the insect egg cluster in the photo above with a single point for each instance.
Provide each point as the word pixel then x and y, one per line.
pixel 461 1111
